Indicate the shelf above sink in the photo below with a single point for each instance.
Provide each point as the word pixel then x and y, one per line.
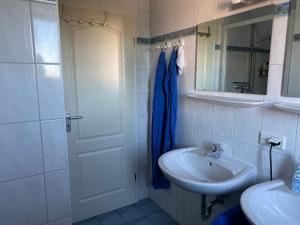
pixel 288 107
pixel 231 101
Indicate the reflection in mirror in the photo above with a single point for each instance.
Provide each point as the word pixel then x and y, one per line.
pixel 291 81
pixel 233 53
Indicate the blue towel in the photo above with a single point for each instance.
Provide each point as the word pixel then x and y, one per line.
pixel 171 90
pixel 233 216
pixel 159 110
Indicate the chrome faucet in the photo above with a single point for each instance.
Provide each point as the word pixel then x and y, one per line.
pixel 215 151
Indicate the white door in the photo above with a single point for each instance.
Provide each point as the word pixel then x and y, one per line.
pixel 98 66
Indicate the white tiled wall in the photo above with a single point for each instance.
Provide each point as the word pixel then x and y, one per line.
pixel 236 129
pixel 143 101
pixel 34 187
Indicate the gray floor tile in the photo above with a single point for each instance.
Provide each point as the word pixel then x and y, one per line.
pixel 160 218
pixel 143 221
pixel 130 214
pixel 149 208
pixel 143 202
pixel 145 212
pixel 111 219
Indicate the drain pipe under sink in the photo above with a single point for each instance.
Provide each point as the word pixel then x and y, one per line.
pixel 207 210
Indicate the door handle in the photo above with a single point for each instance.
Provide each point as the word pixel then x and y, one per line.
pixel 74 117
pixel 69 118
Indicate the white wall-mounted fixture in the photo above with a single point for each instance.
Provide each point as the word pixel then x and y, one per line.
pixel 231 101
pixel 288 107
pixel 271 203
pixel 191 170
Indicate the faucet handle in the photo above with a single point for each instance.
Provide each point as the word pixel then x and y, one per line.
pixel 215 151
pixel 215 148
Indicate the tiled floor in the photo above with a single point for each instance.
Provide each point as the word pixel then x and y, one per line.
pixel 144 212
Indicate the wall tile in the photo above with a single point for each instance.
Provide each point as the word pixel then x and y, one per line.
pixel 206 10
pixel 154 4
pixel 245 131
pixel 282 166
pixel 22 202
pixel 20 150
pixel 201 113
pixel 143 105
pixel 187 13
pixel 57 195
pixel 54 146
pixel 185 136
pixel 202 139
pixel 187 81
pixel 46 32
pixel 144 5
pixel 22 187
pixel 194 212
pixel 158 22
pixel 154 55
pixel 18 93
pixel 190 51
pixel 129 5
pixel 143 57
pixel 222 121
pixel 170 11
pixel 281 123
pixel 16 41
pixel 50 91
pixel 185 114
pixel 246 153
pixel 143 81
pixel 143 169
pixel 143 128
pixel 183 202
pixel 112 5
pixel 143 22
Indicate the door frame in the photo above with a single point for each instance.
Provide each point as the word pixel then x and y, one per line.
pixel 129 67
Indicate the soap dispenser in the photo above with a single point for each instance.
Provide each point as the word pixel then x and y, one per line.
pixel 296 180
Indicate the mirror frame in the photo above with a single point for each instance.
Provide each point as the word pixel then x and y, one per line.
pixel 223 57
pixel 288 50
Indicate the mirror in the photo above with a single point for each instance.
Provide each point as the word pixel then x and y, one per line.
pixel 291 79
pixel 233 53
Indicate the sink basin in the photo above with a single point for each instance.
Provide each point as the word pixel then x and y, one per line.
pixel 271 203
pixel 191 170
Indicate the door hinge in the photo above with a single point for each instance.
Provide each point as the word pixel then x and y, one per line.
pixel 135 177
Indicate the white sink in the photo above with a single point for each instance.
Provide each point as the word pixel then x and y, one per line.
pixel 190 169
pixel 271 203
